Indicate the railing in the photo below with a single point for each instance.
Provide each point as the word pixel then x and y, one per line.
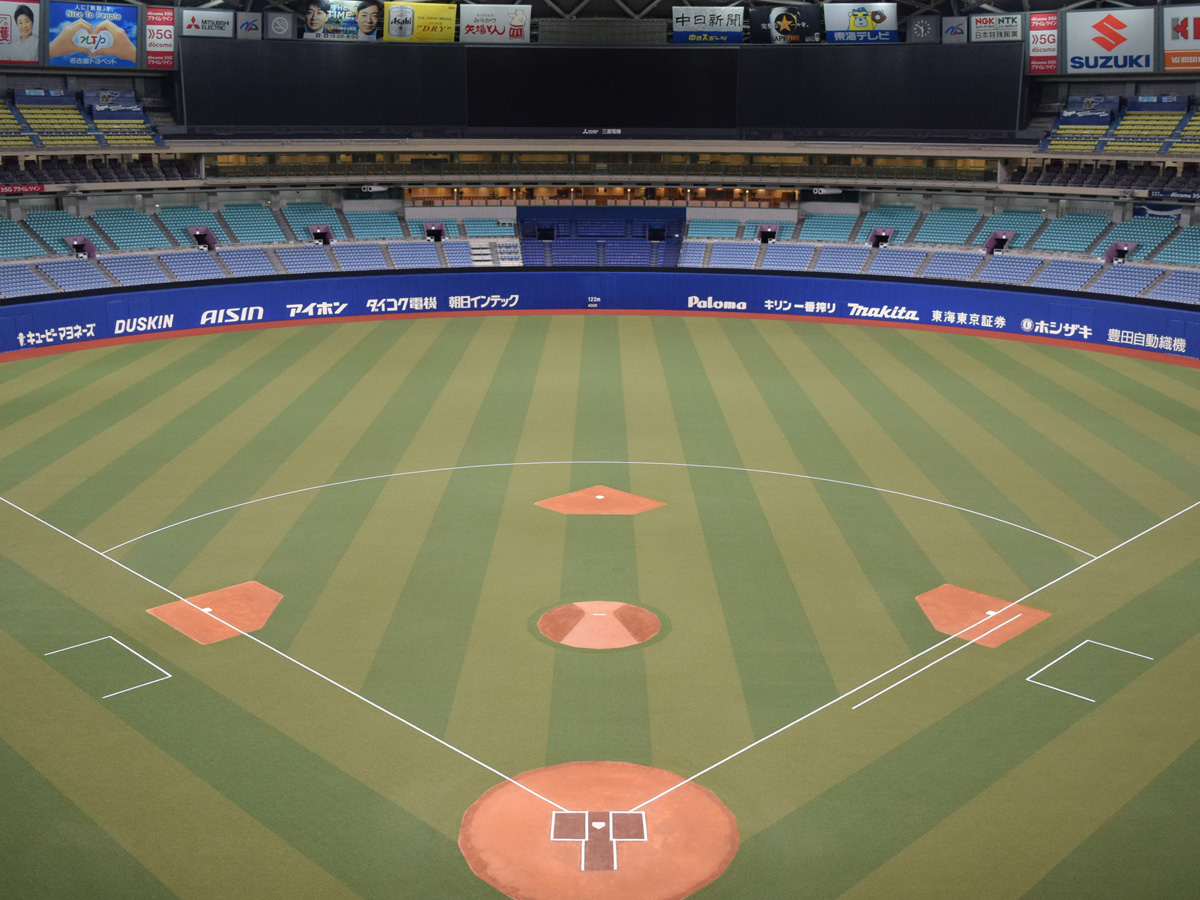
pixel 692 172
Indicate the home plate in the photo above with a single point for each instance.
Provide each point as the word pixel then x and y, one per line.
pixel 964 613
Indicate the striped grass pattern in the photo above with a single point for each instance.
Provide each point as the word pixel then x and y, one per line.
pixel 815 480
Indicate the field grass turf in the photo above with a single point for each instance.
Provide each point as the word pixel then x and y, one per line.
pixel 414 579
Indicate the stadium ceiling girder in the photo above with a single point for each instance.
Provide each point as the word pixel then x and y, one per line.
pixel 641 9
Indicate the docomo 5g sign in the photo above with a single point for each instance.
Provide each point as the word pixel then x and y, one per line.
pixel 1110 39
pixel 1043 43
pixel 160 38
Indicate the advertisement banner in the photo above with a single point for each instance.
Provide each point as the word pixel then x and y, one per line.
pixel 342 20
pixel 991 28
pixel 207 23
pixel 1043 43
pixel 279 26
pixel 954 29
pixel 1101 40
pixel 1181 38
pixel 249 26
pixel 706 24
pixel 94 35
pixel 786 25
pixel 1171 334
pixel 487 24
pixel 160 37
pixel 19 27
pixel 861 22
pixel 428 22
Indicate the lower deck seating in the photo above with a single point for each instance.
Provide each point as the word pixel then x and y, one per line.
pixel 21 281
pixel 302 260
pixel 245 262
pixel 788 257
pixel 134 270
pixel 75 274
pixel 414 255
pixel 1067 274
pixel 841 259
pixel 359 257
pixel 192 265
pixel 952 264
pixel 458 254
pixel 1009 269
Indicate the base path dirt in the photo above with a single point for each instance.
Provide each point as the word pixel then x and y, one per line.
pixel 220 615
pixel 511 840
pixel 973 616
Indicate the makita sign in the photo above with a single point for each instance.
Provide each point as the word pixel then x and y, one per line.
pixel 884 312
pixel 1106 39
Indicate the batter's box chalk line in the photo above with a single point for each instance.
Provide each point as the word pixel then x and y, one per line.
pixel 109 637
pixel 1032 679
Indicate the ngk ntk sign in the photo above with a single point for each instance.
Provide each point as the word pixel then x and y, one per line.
pixel 1109 39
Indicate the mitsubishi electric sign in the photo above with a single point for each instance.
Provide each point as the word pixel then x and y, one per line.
pixel 1110 39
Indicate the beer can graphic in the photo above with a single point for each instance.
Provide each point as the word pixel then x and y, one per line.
pixel 400 22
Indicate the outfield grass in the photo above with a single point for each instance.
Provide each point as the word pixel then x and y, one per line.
pixel 383 476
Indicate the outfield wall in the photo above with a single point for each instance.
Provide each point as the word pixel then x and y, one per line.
pixel 49 325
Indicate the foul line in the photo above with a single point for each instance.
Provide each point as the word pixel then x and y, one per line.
pixel 973 640
pixel 916 656
pixel 600 462
pixel 290 659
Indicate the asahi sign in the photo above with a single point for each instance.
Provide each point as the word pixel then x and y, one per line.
pixel 993 28
pixel 1107 40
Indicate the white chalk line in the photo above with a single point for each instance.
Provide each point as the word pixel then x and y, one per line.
pixel 109 637
pixel 730 757
pixel 1032 678
pixel 290 659
pixel 916 656
pixel 597 462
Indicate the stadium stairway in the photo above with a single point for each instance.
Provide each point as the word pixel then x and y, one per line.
pixel 285 226
pixel 100 231
pixel 276 261
pixel 1100 241
pixel 38 238
pixel 484 253
pixel 1038 232
pixel 1149 291
pixel 762 252
pixel 217 214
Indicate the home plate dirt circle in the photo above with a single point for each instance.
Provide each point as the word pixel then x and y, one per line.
pixel 599 624
pixel 597 848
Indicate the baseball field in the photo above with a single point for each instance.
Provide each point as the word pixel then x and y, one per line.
pixel 598 608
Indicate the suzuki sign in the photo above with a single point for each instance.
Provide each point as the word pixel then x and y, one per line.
pixel 1108 39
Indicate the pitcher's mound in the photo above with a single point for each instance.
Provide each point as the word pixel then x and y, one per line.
pixel 598 847
pixel 599 624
